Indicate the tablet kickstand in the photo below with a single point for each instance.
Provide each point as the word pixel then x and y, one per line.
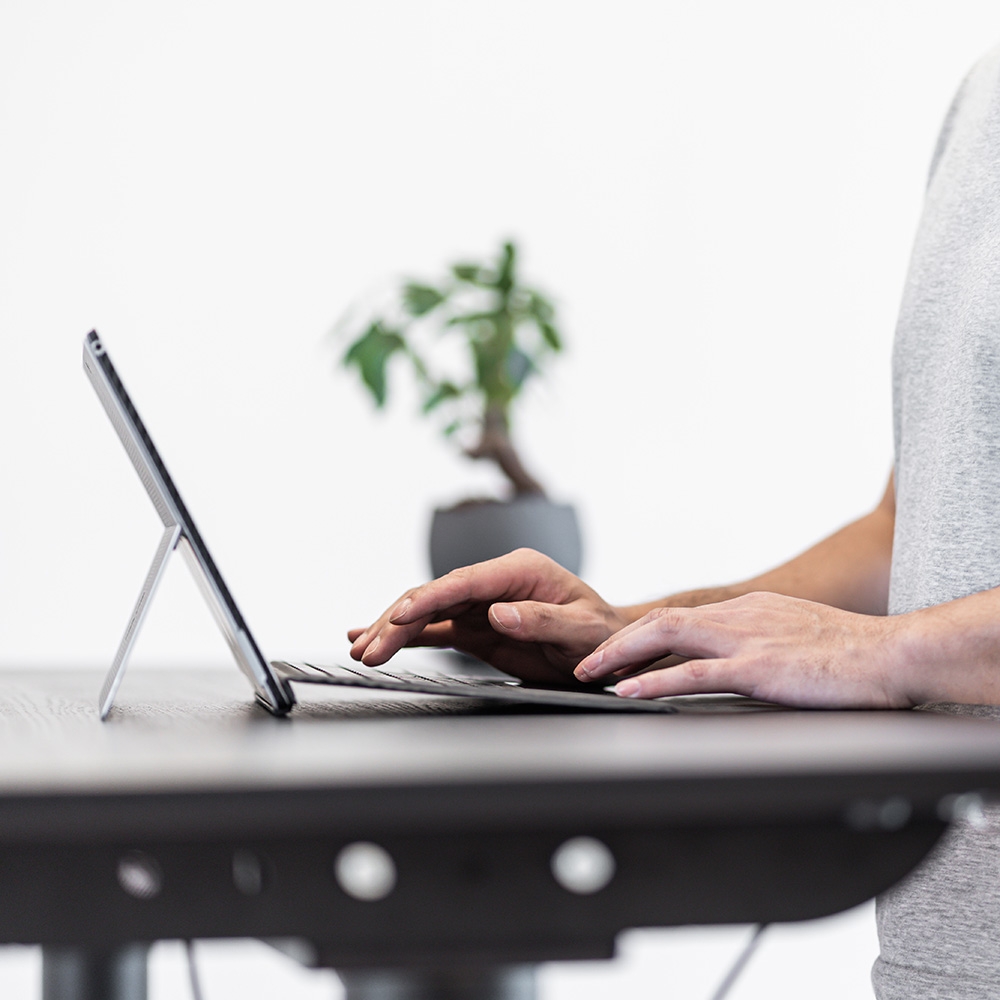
pixel 168 543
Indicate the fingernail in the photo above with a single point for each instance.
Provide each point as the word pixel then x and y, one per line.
pixel 400 610
pixel 507 617
pixel 628 689
pixel 372 646
pixel 588 666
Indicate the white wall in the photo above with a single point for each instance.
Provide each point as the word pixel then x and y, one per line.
pixel 721 195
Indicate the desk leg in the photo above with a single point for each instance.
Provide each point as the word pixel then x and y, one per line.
pixel 511 982
pixel 80 974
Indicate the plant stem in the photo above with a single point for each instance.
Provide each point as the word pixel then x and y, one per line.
pixel 495 444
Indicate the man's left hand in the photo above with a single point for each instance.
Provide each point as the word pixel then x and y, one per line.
pixel 762 645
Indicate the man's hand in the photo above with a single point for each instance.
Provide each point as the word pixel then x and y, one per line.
pixel 764 645
pixel 522 613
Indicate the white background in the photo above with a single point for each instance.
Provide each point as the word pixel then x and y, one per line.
pixel 719 195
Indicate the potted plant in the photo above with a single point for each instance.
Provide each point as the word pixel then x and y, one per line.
pixel 507 331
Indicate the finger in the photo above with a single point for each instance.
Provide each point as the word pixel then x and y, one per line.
pixel 692 677
pixel 714 612
pixel 383 644
pixel 527 662
pixel 478 640
pixel 470 633
pixel 688 631
pixel 449 635
pixel 651 616
pixel 664 661
pixel 360 638
pixel 619 654
pixel 519 575
pixel 438 634
pixel 383 637
pixel 515 576
pixel 571 626
pixel 380 641
pixel 665 631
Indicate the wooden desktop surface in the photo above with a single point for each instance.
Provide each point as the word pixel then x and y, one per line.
pixel 758 816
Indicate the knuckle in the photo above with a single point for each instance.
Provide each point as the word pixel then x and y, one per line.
pixel 696 670
pixel 461 577
pixel 664 617
pixel 544 613
pixel 530 556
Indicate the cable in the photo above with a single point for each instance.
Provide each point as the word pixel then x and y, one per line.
pixel 733 974
pixel 192 971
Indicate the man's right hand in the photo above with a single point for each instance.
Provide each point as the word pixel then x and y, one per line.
pixel 523 613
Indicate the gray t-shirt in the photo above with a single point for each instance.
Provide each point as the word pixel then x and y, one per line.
pixel 939 929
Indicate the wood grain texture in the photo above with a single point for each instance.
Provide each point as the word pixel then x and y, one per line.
pixel 709 818
pixel 199 729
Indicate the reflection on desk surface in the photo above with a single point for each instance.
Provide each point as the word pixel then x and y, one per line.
pixel 198 728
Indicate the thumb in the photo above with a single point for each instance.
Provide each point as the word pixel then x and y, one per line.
pixel 533 621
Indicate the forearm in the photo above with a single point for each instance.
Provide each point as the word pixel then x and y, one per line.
pixel 849 570
pixel 950 652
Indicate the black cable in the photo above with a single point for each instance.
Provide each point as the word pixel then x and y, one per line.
pixel 733 974
pixel 192 971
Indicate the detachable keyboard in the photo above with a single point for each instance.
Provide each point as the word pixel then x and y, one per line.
pixel 455 685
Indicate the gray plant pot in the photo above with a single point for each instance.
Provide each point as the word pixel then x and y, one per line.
pixel 478 530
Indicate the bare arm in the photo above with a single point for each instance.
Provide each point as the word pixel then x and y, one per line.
pixel 534 619
pixel 798 652
pixel 811 632
pixel 849 570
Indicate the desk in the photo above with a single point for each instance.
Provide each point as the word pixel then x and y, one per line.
pixel 191 813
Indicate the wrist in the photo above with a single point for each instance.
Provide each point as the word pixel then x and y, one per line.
pixel 905 651
pixel 949 652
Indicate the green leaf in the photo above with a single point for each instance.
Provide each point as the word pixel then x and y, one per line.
pixel 467 272
pixel 418 300
pixel 540 308
pixel 445 391
pixel 476 317
pixel 370 353
pixel 505 276
pixel 452 428
pixel 551 335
